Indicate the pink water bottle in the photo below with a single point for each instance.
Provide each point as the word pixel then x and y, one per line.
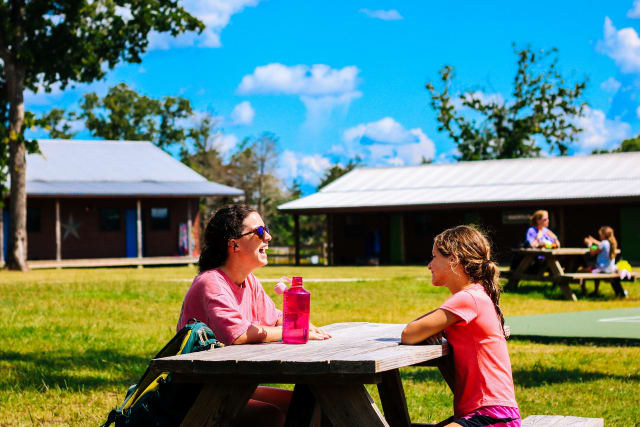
pixel 295 327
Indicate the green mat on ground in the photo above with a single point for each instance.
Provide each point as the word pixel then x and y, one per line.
pixel 617 323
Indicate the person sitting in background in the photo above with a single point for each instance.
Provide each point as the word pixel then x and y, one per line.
pixel 605 252
pixel 539 235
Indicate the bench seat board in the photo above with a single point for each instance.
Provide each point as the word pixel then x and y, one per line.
pixel 560 421
pixel 596 275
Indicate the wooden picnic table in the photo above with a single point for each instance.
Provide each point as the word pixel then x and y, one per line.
pixel 330 374
pixel 561 263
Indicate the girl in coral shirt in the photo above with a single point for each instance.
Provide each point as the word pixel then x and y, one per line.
pixel 472 323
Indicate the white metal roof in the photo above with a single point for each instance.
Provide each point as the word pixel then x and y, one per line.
pixel 113 168
pixel 518 180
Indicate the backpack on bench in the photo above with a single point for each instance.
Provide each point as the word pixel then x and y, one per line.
pixel 157 401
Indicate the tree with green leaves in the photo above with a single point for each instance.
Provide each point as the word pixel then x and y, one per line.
pixel 337 170
pixel 47 42
pixel 56 123
pixel 542 105
pixel 626 146
pixel 253 166
pixel 123 114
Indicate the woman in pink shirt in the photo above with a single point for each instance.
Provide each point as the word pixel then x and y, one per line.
pixel 232 302
pixel 472 323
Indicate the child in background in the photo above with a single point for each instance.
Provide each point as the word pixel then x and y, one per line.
pixel 605 252
pixel 472 322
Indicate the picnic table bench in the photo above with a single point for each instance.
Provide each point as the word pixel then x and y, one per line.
pixel 330 374
pixel 561 264
pixel 561 421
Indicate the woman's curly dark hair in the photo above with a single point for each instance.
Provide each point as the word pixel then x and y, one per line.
pixel 226 224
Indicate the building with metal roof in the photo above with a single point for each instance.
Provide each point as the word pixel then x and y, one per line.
pixel 111 199
pixel 408 205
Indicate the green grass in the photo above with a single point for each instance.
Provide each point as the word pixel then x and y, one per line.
pixel 71 341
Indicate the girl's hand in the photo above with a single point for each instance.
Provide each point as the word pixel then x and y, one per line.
pixel 435 339
pixel 316 333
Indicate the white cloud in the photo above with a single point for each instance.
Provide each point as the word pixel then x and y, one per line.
pixel 317 80
pixel 386 142
pixel 385 15
pixel 321 88
pixel 610 85
pixel 600 132
pixel 307 168
pixel 224 143
pixel 634 12
pixel 243 114
pixel 319 109
pixel 622 46
pixel 124 13
pixel 638 112
pixel 215 14
pixel 41 97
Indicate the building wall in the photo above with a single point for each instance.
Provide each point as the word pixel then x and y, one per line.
pixel 82 236
pixel 505 225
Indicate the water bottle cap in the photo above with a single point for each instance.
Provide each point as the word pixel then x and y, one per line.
pixel 296 281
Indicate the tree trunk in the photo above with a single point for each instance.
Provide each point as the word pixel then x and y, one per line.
pixel 17 253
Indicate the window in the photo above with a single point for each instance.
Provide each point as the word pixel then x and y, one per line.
pixel 110 219
pixel 160 219
pixel 33 220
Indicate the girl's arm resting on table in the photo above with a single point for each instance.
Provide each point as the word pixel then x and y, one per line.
pixel 260 333
pixel 428 325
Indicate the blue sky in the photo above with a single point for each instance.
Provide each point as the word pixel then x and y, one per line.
pixel 337 79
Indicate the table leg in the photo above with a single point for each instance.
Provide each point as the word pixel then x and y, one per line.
pixel 565 288
pixel 303 407
pixel 349 405
pixel 616 284
pixel 514 276
pixel 218 404
pixel 557 273
pixel 393 400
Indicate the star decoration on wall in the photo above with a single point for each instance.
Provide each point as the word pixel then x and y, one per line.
pixel 71 228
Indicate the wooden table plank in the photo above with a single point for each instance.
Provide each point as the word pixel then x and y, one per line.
pixel 362 349
pixel 335 370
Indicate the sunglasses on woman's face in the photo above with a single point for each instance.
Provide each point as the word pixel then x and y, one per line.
pixel 260 232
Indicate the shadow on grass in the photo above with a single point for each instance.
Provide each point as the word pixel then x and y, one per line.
pixel 89 369
pixel 421 374
pixel 546 290
pixel 594 341
pixel 536 377
pixel 529 377
pixel 551 291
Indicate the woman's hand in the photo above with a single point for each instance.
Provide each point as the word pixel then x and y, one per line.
pixel 316 333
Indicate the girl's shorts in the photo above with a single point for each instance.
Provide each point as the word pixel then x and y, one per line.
pixel 499 416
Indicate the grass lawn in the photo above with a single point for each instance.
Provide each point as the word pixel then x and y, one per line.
pixel 72 341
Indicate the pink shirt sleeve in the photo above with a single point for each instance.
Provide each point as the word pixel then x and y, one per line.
pixel 266 311
pixel 224 316
pixel 463 305
pixel 228 309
